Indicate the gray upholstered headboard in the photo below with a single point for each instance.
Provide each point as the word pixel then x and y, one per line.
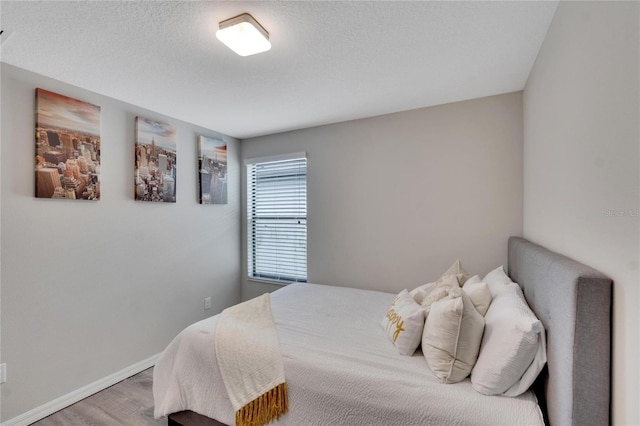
pixel 573 302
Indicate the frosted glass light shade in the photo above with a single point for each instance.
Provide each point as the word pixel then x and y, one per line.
pixel 244 35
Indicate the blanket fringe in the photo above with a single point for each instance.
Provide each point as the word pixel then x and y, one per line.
pixel 264 409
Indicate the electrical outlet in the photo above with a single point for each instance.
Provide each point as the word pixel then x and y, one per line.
pixel 207 303
pixel 3 373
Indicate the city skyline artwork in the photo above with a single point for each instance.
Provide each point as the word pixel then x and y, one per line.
pixel 212 160
pixel 67 137
pixel 155 161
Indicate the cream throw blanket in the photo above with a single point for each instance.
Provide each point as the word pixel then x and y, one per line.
pixel 248 354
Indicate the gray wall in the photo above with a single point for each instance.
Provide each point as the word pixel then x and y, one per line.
pixel 90 288
pixel 581 170
pixel 394 200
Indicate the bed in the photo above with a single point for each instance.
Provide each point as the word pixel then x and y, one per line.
pixel 356 377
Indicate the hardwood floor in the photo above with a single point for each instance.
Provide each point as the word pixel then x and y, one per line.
pixel 128 403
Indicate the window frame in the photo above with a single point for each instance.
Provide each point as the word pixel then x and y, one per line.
pixel 253 217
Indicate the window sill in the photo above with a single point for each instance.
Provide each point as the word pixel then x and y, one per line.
pixel 267 281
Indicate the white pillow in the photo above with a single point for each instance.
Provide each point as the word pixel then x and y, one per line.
pixel 496 277
pixel 457 270
pixel 479 294
pixel 443 283
pixel 419 293
pixel 441 290
pixel 513 350
pixel 452 336
pixel 404 323
pixel 474 279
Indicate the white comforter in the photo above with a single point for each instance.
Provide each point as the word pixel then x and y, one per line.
pixel 340 367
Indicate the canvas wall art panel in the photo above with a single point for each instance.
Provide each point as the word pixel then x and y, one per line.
pixel 155 161
pixel 67 148
pixel 213 170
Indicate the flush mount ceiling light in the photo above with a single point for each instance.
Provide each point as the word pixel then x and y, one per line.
pixel 244 35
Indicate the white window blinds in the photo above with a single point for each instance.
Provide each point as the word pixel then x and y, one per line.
pixel 277 219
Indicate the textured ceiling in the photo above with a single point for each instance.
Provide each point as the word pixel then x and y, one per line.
pixel 331 61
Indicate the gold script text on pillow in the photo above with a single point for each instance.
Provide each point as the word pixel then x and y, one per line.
pixel 395 319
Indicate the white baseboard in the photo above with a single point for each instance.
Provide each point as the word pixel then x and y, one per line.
pixel 71 398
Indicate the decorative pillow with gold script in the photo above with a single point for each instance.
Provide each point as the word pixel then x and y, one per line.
pixel 404 323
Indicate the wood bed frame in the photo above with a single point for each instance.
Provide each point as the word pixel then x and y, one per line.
pixel 573 301
pixel 189 418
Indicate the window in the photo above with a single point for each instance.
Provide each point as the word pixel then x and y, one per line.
pixel 277 218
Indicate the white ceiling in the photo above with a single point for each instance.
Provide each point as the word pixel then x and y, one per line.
pixel 331 61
